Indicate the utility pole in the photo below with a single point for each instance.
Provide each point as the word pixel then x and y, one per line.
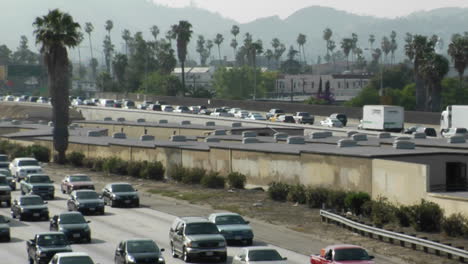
pixel 292 82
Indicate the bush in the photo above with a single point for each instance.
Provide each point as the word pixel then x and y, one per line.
pixel 153 171
pixel 382 212
pixel 98 164
pixel 355 200
pixel 404 215
pixel 178 172
pixel 39 152
pixel 213 180
pixel 455 225
pixel 278 191
pixel 18 151
pixel 76 158
pixel 193 176
pixel 236 180
pixel 427 216
pixel 336 199
pixel 134 168
pixel 115 165
pixel 297 194
pixel 316 197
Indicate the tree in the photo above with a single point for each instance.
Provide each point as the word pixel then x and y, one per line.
pixel 209 46
pixel 354 37
pixel 434 68
pixel 119 65
pixel 126 36
pixel 393 46
pixel 371 41
pixel 169 36
pixel 155 32
pixel 291 65
pixel 89 29
pixel 109 26
pixel 93 63
pixel 5 55
pixel 182 33
pixel 108 49
pixel 204 54
pixel 458 51
pixel 347 46
pixel 162 84
pixel 23 55
pixel 301 40
pixel 234 45
pixel 278 50
pixel 269 55
pixel 235 31
pixel 55 32
pixel 218 40
pixel 327 34
pixel 386 46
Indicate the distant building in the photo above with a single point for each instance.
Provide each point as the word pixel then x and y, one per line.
pixel 343 87
pixel 197 76
pixel 88 87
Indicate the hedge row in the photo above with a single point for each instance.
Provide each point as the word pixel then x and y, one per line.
pixel 13 150
pixel 425 216
pixel 209 179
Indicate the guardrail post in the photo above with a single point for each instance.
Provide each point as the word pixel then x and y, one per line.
pixel 437 252
pixel 461 259
pixel 390 239
pixel 413 246
pixel 425 249
pixel 449 256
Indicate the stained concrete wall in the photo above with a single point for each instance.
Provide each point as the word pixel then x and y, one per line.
pixel 450 204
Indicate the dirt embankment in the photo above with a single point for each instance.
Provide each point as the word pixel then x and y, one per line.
pixel 31 111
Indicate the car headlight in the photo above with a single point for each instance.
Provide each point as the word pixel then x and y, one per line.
pixel 222 244
pixel 131 259
pixel 41 254
pixel 161 260
pixel 113 195
pixel 192 244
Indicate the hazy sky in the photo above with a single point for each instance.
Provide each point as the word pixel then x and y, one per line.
pixel 248 10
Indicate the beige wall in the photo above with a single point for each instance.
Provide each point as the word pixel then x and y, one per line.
pixel 450 204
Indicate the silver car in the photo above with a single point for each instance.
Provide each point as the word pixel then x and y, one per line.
pixel 264 255
pixel 233 227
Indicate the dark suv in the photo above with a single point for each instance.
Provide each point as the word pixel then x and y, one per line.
pixel 193 237
pixel 120 194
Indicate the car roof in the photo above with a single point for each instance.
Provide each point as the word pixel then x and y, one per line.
pixel 258 248
pixel 118 183
pixel 224 213
pixel 37 174
pixel 70 213
pixel 138 239
pixel 50 233
pixel 343 246
pixel 194 219
pixel 29 195
pixel 19 159
pixel 71 254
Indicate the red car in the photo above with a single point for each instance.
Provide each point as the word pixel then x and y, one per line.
pixel 342 254
pixel 76 182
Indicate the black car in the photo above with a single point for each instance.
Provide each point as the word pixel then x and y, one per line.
pixel 4 229
pixel 429 131
pixel 154 107
pixel 138 251
pixel 73 225
pixel 29 207
pixel 120 194
pixel 85 201
pixel 33 99
pixel 342 117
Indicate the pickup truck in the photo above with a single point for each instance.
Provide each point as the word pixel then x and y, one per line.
pixel 5 191
pixel 43 246
pixel 39 184
pixel 304 118
pixel 341 254
pixel 21 167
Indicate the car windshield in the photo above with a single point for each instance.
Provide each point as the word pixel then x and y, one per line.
pixel 130 103
pixel 76 260
pixel 230 220
pixel 87 195
pixel 28 163
pixel 264 255
pixel 142 246
pixel 351 254
pixel 79 178
pixel 52 240
pixel 4 165
pixel 3 158
pixel 122 188
pixel 72 219
pixel 460 131
pixel 201 228
pixel 39 179
pixel 303 114
pixel 31 200
pixel 183 108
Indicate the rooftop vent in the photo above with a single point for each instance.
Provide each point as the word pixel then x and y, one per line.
pixel 346 143
pixel 141 120
pixel 249 140
pixel 359 137
pixel 220 132
pixel 163 121
pixel 249 134
pixel 185 122
pixel 210 123
pixel 121 119
pixel 215 140
pixel 178 138
pixel 279 135
pixel 351 133
pixel 403 138
pixel 15 122
pixel 236 124
pixel 317 135
pixel 107 118
pixel 296 140
pixel 94 134
pixel 384 135
pixel 403 144
pixel 51 124
pixel 456 139
pixel 146 138
pixel 419 135
pixel 119 135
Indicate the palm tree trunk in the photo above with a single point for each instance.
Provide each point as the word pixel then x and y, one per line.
pixel 219 54
pixel 436 97
pixel 182 64
pixel 420 90
pixel 90 46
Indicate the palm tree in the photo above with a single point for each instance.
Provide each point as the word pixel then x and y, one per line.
pixel 126 36
pixel 182 33
pixel 170 36
pixel 371 41
pixel 234 45
pixel 301 40
pixel 269 55
pixel 109 26
pixel 434 68
pixel 386 46
pixel 89 29
pixel 256 48
pixel 327 34
pixel 218 40
pixel 393 46
pixel 209 46
pixel 201 49
pixel 154 32
pixel 458 50
pixel 347 46
pixel 235 31
pixel 354 37
pixel 55 32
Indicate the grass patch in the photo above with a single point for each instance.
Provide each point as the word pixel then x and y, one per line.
pixel 173 194
pixel 231 208
pixel 192 197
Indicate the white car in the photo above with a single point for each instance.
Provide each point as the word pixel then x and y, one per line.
pixel 182 109
pixel 331 122
pixel 195 109
pixel 221 112
pixel 144 105
pixel 167 108
pixel 71 258
pixel 455 131
pixel 9 98
pixel 256 116
pixel 263 255
pixel 42 100
pixel 21 167
pixel 128 104
pixel 234 110
pixel 241 114
pixel 20 99
pixel 76 102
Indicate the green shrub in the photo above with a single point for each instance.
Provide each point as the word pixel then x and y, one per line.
pixel 403 215
pixel 456 225
pixel 383 212
pixel 134 168
pixel 193 176
pixel 115 165
pixel 427 216
pixel 178 172
pixel 297 194
pixel 355 200
pixel 39 152
pixel 18 151
pixel 213 180
pixel 88 163
pixel 278 191
pixel 236 180
pixel 76 158
pixel 98 164
pixel 153 171
pixel 336 199
pixel 317 196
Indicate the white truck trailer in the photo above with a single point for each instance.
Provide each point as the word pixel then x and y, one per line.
pixel 383 118
pixel 455 116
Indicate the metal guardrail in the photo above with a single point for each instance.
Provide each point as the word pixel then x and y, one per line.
pixel 392 236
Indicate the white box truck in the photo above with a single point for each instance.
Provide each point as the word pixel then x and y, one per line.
pixel 383 118
pixel 455 116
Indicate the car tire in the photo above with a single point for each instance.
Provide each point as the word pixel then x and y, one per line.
pixel 31 261
pixel 8 203
pixel 22 192
pixel 111 203
pixel 63 191
pixel 186 256
pixel 173 252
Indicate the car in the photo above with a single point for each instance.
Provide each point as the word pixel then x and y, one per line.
pixel 264 255
pixel 128 104
pixel 274 118
pixel 154 107
pixel 42 100
pixel 234 110
pixel 342 117
pixel 77 102
pixel 304 118
pixel 167 108
pixel 233 227
pixel 33 99
pixel 10 178
pixel 20 99
pixel 429 131
pixel 144 105
pixel 5 191
pixel 255 116
pixel 85 201
pixel 76 182
pixel 286 119
pixel 331 122
pixel 9 98
pixel 410 130
pixel 455 131
pixel 219 112
pixel 71 258
pixel 138 250
pixel 272 112
pixel 241 114
pixel 204 112
pixel 195 108
pixel 192 237
pixel 4 161
pixel 21 167
pixel 39 184
pixel 117 104
pixel 182 109
pixel 4 229
pixel 45 245
pixel 29 207
pixel 337 254
pixel 73 225
pixel 120 194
